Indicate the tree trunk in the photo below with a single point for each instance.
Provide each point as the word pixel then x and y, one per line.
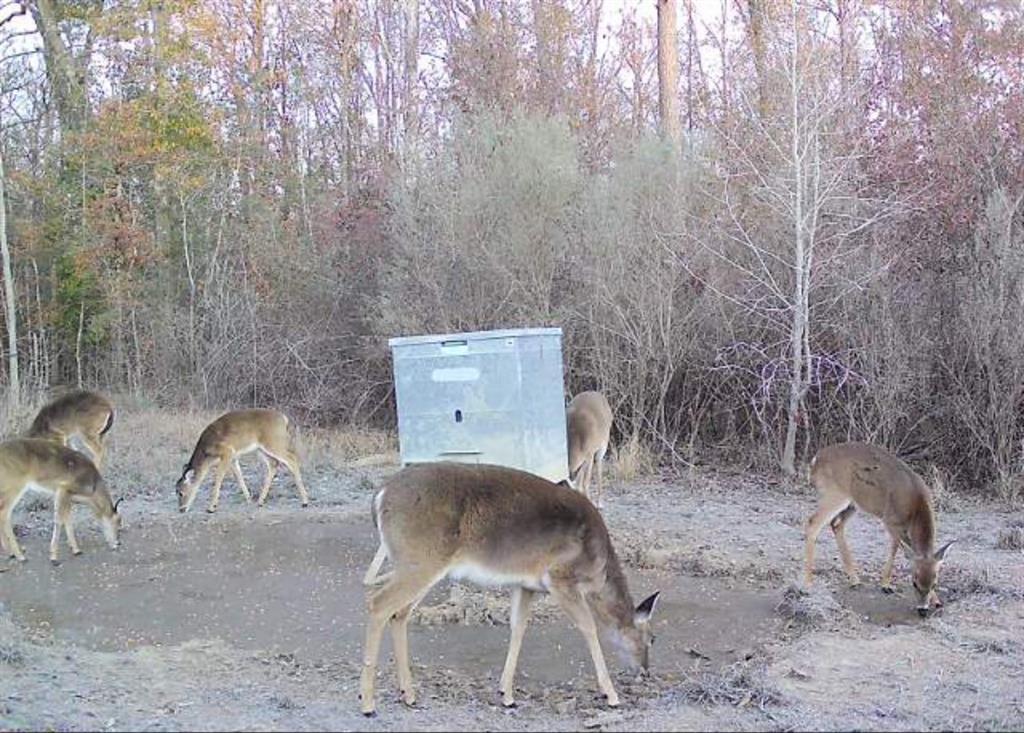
pixel 14 391
pixel 62 70
pixel 755 30
pixel 668 72
pixel 410 110
pixel 799 342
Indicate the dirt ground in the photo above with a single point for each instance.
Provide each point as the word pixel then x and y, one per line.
pixel 253 619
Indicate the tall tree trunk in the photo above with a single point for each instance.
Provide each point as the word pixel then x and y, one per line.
pixel 755 31
pixel 14 391
pixel 799 329
pixel 410 105
pixel 668 71
pixel 545 72
pixel 62 69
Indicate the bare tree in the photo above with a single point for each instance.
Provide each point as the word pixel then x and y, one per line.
pixel 14 392
pixel 410 103
pixel 668 71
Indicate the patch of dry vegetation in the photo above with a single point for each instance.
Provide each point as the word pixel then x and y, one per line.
pixel 809 608
pixel 632 460
pixel 741 685
pixel 353 447
pixel 1012 537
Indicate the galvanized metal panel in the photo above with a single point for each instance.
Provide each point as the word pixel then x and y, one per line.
pixel 483 397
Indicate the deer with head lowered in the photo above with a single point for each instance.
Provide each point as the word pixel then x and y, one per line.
pixel 45 466
pixel 86 414
pixel 498 526
pixel 226 439
pixel 588 421
pixel 852 476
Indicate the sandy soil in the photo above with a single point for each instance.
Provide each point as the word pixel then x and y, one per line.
pixel 253 619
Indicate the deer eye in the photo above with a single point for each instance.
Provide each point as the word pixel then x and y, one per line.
pixel 651 642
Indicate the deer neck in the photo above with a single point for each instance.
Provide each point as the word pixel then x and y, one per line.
pixel 921 530
pixel 613 604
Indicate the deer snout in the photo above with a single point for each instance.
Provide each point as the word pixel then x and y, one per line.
pixel 922 611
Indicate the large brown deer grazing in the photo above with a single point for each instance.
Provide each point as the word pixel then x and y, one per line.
pixel 46 466
pixel 86 414
pixel 588 421
pixel 852 476
pixel 226 439
pixel 498 526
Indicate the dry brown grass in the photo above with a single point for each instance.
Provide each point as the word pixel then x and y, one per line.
pixel 15 421
pixel 1012 537
pixel 631 460
pixel 353 446
pixel 148 446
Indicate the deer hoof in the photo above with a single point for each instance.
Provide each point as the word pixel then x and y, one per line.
pixel 888 590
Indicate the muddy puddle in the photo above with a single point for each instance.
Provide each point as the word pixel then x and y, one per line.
pixel 293 586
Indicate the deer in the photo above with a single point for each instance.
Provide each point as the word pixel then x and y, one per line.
pixel 231 436
pixel 498 526
pixel 48 467
pixel 589 424
pixel 372 577
pixel 851 476
pixel 86 414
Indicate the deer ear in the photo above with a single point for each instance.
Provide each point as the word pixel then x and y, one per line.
pixel 940 554
pixel 646 608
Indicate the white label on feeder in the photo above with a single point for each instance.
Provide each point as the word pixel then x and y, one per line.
pixel 455 374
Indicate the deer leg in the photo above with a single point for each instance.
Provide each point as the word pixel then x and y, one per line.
pixel 894 546
pixel 69 530
pixel 574 605
pixel 584 476
pixel 599 463
pixel 399 593
pixel 241 480
pixel 400 642
pixel 271 464
pixel 218 479
pixel 289 459
pixel 838 529
pixel 371 572
pixel 521 600
pixel 11 543
pixel 60 510
pixel 828 507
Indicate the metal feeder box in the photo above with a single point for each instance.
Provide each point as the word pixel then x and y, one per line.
pixel 484 397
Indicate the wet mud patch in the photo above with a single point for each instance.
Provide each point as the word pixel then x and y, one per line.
pixel 292 585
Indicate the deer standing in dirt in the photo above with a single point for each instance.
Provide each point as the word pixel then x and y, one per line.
pixel 852 476
pixel 86 414
pixel 588 424
pixel 50 468
pixel 226 439
pixel 498 526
